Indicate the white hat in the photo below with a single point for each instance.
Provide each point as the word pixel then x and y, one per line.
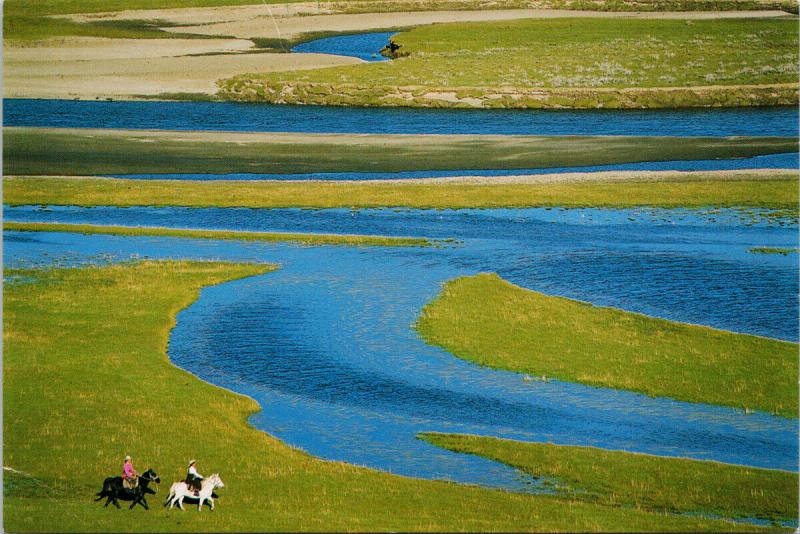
pixel 192 462
pixel 127 457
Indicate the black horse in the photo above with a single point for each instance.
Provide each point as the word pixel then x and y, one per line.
pixel 113 490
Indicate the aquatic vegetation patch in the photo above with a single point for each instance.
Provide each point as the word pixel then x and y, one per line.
pixel 618 478
pixel 491 322
pixel 305 239
pixel 87 379
pixel 774 250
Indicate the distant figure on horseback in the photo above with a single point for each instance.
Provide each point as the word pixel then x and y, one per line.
pixel 193 478
pixel 130 478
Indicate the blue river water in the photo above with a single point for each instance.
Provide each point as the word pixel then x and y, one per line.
pixel 779 121
pixel 364 46
pixel 325 344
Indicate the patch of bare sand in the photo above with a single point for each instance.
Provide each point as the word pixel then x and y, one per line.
pixel 290 20
pixel 96 48
pixel 95 72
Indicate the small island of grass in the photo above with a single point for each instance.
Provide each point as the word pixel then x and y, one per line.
pixel 773 250
pixel 305 239
pixel 491 322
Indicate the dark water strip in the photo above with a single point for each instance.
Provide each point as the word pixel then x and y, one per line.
pixel 776 121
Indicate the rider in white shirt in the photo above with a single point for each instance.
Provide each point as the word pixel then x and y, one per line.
pixel 193 478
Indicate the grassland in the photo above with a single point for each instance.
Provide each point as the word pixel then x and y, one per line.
pixel 87 380
pixel 551 63
pixel 616 478
pixel 269 237
pixel 674 190
pixel 491 322
pixel 46 151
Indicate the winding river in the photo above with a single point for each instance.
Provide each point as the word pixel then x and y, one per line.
pixel 326 346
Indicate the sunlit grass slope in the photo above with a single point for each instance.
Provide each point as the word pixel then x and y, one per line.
pixel 305 239
pixel 678 190
pixel 616 478
pixel 491 322
pixel 46 151
pixel 584 53
pixel 579 62
pixel 86 380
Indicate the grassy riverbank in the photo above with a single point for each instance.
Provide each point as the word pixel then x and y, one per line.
pixel 672 190
pixel 616 478
pixel 50 151
pixel 555 63
pixel 305 239
pixel 491 322
pixel 87 380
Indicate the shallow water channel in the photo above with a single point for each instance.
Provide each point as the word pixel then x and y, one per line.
pixel 325 344
pixel 366 46
pixel 230 116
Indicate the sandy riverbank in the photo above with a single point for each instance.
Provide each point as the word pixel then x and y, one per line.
pixel 89 68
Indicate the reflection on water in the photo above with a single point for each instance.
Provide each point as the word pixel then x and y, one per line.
pixel 325 343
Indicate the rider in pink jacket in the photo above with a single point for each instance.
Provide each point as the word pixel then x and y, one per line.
pixel 128 472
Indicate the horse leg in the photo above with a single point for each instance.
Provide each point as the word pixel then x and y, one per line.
pixel 211 502
pixel 180 502
pixel 144 502
pixel 200 503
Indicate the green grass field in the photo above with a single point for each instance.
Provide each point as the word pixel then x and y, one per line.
pixel 87 380
pixel 692 190
pixel 304 239
pixel 578 63
pixel 79 152
pixel 616 478
pixel 491 322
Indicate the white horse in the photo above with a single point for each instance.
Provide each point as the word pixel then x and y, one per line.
pixel 180 491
